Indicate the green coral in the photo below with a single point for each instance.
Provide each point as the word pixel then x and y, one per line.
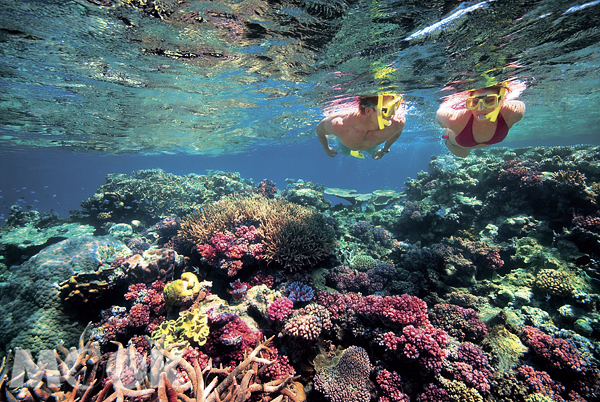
pixel 528 249
pixel 191 329
pixel 538 398
pixel 459 392
pixel 364 262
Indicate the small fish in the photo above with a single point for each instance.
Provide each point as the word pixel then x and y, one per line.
pixel 54 196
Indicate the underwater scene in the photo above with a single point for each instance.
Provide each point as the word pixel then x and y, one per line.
pixel 299 200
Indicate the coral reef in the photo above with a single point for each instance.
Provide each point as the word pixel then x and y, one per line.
pixel 479 283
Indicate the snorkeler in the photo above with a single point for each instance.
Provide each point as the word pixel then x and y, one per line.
pixel 375 122
pixel 482 120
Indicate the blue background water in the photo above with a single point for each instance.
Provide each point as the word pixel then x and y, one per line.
pixel 86 90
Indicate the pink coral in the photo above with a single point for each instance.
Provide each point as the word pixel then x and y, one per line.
pixel 390 387
pixel 248 233
pixel 280 309
pixel 393 312
pixel 425 345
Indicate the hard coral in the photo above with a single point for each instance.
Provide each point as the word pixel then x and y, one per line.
pixel 292 236
pixel 280 308
pixel 393 312
pixel 555 283
pixel 423 345
pixel 461 323
pixel 348 380
pixel 558 353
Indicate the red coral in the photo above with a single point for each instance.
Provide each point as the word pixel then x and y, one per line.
pixel 222 242
pixel 247 233
pixel 540 382
pixel 278 370
pixel 207 251
pixel 521 177
pixel 139 315
pixel 280 309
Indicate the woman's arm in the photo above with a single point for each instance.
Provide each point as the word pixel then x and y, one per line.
pixel 513 111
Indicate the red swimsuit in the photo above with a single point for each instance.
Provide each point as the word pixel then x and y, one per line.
pixel 467 140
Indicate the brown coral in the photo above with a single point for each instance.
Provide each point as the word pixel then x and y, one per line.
pixel 554 283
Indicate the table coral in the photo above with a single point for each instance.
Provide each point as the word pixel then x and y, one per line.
pixel 348 380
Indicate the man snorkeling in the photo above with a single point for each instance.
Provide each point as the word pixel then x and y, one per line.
pixel 374 123
pixel 482 120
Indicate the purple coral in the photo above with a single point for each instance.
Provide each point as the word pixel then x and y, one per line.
pixel 300 292
pixel 348 380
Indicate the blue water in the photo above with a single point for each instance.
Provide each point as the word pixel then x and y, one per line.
pixel 90 90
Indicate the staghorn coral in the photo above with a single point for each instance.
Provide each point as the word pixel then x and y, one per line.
pixel 292 236
pixel 554 283
pixel 570 178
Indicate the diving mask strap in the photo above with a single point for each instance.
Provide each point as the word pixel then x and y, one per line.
pixel 493 115
pixel 357 154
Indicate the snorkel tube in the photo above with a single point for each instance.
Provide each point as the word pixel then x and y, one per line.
pixel 385 118
pixel 493 115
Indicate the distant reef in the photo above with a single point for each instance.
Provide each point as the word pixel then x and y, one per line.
pixel 479 280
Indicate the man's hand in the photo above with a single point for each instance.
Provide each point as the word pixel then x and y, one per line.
pixel 379 154
pixel 331 152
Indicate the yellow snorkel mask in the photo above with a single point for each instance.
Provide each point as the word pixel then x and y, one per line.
pixel 488 101
pixel 385 111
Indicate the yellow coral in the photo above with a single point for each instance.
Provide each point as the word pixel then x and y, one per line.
pixel 191 329
pixel 554 283
pixel 182 289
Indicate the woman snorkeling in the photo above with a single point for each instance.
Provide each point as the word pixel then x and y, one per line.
pixel 483 119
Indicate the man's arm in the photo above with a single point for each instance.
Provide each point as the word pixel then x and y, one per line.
pixel 397 126
pixel 323 135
